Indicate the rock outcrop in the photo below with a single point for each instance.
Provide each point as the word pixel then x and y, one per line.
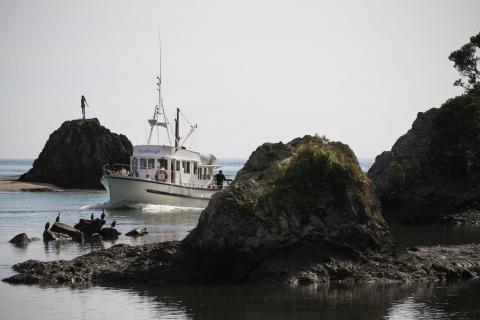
pixel 434 169
pixel 75 153
pixel 109 233
pixel 291 207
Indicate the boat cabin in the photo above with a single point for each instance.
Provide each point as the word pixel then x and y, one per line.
pixel 172 165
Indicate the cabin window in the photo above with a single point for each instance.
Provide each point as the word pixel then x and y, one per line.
pixel 134 164
pixel 151 163
pixel 162 163
pixel 186 166
pixel 143 163
pixel 194 168
pixel 178 165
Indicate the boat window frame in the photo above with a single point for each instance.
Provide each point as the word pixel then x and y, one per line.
pixel 140 167
pixel 150 161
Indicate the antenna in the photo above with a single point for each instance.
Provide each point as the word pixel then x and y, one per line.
pixel 159 110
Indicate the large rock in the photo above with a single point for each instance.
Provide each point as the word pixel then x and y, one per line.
pixel 292 206
pixel 89 227
pixel 68 230
pixel 137 232
pixel 75 153
pixel 434 169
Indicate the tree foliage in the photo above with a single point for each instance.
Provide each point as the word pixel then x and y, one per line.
pixel 467 63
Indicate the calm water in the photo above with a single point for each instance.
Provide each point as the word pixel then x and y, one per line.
pixel 28 212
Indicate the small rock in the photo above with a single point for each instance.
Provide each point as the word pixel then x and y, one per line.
pixel 137 232
pixel 70 231
pixel 54 236
pixel 20 239
pixel 95 238
pixel 89 227
pixel 109 233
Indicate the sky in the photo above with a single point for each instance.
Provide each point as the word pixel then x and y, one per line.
pixel 247 72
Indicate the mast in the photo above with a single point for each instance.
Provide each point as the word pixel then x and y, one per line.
pixel 159 109
pixel 177 128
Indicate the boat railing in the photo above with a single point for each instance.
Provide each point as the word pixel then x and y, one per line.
pixel 118 169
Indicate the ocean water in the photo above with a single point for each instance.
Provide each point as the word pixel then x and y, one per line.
pixel 28 212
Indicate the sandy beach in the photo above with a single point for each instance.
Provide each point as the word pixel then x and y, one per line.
pixel 11 184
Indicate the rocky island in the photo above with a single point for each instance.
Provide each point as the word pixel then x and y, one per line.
pixel 75 153
pixel 297 213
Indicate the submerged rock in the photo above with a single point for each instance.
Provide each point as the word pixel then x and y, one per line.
pixel 89 227
pixel 68 230
pixel 75 153
pixel 20 239
pixel 434 169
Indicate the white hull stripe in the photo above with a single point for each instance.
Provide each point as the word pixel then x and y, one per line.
pixel 173 194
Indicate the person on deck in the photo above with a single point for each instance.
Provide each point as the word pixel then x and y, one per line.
pixel 83 102
pixel 219 178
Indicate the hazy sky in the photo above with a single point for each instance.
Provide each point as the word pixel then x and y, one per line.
pixel 247 72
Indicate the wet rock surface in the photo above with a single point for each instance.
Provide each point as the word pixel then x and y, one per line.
pixel 55 236
pixel 74 155
pixel 152 264
pixel 433 170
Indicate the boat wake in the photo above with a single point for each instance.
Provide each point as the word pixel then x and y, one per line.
pixel 145 207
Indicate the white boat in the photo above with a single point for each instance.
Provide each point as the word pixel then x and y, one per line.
pixel 163 174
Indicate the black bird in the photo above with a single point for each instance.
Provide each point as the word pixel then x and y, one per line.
pixel 58 218
pixel 47 225
pixel 114 223
pixel 91 217
pixel 103 214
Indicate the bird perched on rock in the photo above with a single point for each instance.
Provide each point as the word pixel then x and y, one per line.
pixel 114 223
pixel 103 214
pixel 47 225
pixel 58 218
pixel 91 217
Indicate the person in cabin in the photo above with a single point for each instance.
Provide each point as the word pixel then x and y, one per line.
pixel 219 178
pixel 83 103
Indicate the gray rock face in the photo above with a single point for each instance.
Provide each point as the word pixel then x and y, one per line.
pixel 70 231
pixel 89 227
pixel 75 153
pixel 20 239
pixel 434 169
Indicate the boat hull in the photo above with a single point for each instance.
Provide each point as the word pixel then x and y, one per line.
pixel 127 190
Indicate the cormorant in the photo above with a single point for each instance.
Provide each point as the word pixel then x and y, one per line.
pixel 91 217
pixel 103 214
pixel 47 225
pixel 58 218
pixel 114 223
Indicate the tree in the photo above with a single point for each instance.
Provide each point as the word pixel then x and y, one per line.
pixel 467 63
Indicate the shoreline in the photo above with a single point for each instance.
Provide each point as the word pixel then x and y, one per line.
pixel 11 184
